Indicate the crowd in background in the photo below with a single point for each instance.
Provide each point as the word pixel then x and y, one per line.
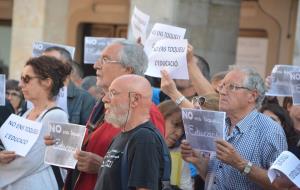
pixel 258 128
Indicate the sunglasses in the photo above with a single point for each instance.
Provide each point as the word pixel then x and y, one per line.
pixel 198 101
pixel 26 79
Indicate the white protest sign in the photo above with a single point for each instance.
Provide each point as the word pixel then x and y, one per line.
pixel 163 31
pixel 295 86
pixel 169 55
pixel 68 138
pixel 139 23
pixel 2 90
pixel 19 134
pixel 61 100
pixel 287 164
pixel 202 127
pixel 40 47
pixel 93 46
pixel 280 80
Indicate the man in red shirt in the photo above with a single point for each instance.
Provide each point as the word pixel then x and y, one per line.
pixel 117 59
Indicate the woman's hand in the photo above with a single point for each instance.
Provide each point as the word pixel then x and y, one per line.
pixel 48 140
pixel 7 156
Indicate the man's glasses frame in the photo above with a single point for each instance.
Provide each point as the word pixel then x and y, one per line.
pixel 232 87
pixel 106 60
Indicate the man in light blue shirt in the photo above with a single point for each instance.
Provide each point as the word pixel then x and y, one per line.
pixel 252 140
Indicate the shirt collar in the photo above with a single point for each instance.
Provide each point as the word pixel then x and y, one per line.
pixel 243 124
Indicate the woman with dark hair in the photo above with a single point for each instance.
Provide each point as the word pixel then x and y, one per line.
pixel 14 95
pixel 41 80
pixel 281 116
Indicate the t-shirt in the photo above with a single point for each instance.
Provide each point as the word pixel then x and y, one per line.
pixel 145 160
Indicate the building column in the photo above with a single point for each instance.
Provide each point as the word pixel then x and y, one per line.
pixel 35 20
pixel 296 57
pixel 212 25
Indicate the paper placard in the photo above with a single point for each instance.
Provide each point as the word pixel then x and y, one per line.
pixel 163 31
pixel 19 134
pixel 169 55
pixel 68 138
pixel 139 23
pixel 280 80
pixel 93 46
pixel 40 47
pixel 289 165
pixel 295 87
pixel 2 90
pixel 202 127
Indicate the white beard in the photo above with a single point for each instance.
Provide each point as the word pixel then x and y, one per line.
pixel 117 115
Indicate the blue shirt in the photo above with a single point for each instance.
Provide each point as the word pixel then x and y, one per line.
pixel 259 140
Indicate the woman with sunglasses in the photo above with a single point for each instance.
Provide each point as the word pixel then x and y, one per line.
pixel 41 80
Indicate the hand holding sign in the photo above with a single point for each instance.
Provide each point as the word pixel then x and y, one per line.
pixel 88 162
pixel 7 156
pixel 227 154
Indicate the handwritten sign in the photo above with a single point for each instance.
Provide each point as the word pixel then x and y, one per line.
pixel 40 47
pixel 295 87
pixel 2 90
pixel 202 127
pixel 19 134
pixel 286 164
pixel 163 31
pixel 68 138
pixel 169 55
pixel 280 84
pixel 93 46
pixel 139 23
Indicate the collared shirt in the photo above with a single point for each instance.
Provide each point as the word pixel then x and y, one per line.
pixel 257 139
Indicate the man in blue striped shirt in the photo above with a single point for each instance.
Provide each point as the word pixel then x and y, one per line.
pixel 252 140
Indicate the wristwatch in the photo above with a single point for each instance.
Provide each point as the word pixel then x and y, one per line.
pixel 247 168
pixel 179 100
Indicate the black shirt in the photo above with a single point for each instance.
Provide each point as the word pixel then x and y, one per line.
pixel 145 161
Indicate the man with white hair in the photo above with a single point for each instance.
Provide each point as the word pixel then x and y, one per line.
pixel 252 142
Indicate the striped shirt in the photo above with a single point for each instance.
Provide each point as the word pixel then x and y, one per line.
pixel 258 139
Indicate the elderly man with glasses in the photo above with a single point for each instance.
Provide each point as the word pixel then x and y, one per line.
pixel 252 140
pixel 128 108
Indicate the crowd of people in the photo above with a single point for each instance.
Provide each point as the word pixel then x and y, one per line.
pixel 135 136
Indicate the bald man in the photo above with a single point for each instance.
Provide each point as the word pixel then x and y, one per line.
pixel 127 107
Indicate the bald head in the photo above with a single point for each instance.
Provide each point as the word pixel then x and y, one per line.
pixel 128 101
pixel 134 83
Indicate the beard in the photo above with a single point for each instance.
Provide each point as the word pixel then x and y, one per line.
pixel 117 115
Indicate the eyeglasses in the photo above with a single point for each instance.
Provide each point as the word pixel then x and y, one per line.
pixel 15 94
pixel 198 101
pixel 231 87
pixel 106 60
pixel 112 93
pixel 26 79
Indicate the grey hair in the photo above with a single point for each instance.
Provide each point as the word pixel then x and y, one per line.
pixel 132 55
pixel 254 81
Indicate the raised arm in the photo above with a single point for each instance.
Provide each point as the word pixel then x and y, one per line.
pixel 168 86
pixel 200 83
